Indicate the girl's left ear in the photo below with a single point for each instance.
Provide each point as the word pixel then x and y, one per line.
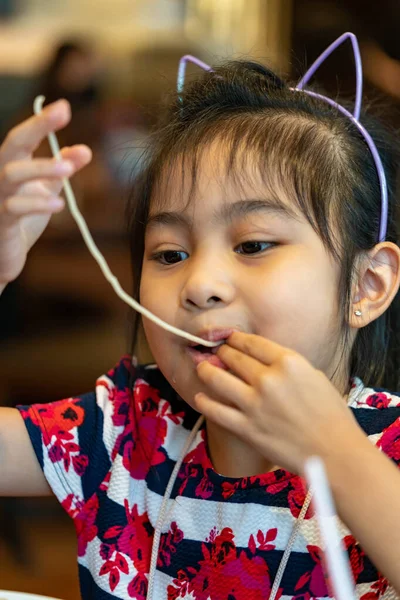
pixel 377 284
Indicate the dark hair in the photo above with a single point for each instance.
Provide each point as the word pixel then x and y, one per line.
pixel 316 155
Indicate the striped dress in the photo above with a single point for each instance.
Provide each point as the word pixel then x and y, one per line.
pixel 108 456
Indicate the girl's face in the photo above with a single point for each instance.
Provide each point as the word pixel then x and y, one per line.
pixel 235 258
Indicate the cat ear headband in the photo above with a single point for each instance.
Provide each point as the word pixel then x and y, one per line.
pixel 93 249
pixel 354 117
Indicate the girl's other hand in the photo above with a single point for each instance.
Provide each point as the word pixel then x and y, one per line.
pixel 276 401
pixel 29 187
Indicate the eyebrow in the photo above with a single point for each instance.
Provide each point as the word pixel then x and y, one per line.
pixel 228 213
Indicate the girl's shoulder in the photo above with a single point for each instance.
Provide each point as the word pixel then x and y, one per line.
pixel 79 441
pixel 377 411
pixel 363 397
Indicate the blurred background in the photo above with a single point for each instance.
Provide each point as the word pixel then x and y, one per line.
pixel 61 326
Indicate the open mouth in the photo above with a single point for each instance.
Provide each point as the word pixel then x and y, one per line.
pixel 199 353
pixel 206 349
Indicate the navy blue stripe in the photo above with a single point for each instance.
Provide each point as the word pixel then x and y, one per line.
pixel 158 477
pixel 374 421
pixel 189 553
pixel 89 588
pixel 110 514
pixel 91 442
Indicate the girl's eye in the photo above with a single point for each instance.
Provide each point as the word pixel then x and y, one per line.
pixel 170 257
pixel 255 247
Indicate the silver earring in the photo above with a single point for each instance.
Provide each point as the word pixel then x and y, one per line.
pixel 358 313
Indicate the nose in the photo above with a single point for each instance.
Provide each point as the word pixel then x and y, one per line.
pixel 208 285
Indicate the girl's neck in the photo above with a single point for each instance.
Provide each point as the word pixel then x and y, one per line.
pixel 231 457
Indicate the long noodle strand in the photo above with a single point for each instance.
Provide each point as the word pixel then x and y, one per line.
pixel 97 255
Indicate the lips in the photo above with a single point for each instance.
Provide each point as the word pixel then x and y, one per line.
pixel 214 335
pixel 200 354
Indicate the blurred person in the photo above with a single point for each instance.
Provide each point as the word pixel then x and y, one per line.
pixel 72 74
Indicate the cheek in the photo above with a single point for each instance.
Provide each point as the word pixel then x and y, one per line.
pixel 155 294
pixel 294 300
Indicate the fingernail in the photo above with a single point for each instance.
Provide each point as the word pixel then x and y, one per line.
pixel 63 168
pixel 56 203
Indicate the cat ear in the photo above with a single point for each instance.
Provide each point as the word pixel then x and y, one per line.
pixel 354 116
pixel 357 57
pixel 182 69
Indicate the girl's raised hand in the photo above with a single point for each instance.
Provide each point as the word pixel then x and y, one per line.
pixel 30 187
pixel 276 401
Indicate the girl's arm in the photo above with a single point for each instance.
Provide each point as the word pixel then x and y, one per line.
pixel 29 195
pixel 366 487
pixel 20 472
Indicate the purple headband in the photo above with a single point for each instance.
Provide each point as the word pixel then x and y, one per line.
pixel 353 117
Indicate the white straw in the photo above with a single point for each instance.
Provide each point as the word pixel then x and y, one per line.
pixel 95 252
pixel 338 566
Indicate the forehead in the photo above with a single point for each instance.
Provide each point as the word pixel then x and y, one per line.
pixel 202 181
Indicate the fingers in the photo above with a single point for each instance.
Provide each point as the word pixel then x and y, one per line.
pixel 228 388
pixel 16 207
pixel 23 140
pixel 246 367
pixel 256 346
pixel 222 415
pixel 79 155
pixel 20 171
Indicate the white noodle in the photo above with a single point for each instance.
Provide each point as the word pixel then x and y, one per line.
pixel 95 252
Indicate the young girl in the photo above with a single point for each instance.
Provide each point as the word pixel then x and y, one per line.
pixel 254 222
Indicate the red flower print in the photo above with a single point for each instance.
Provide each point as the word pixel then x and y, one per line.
pixel 72 506
pixel 378 400
pixel 377 589
pixel 296 494
pixel 121 401
pixel 185 472
pixel 229 489
pixel 356 556
pixel 132 541
pixel 113 568
pixel 179 587
pixel 127 361
pixel 192 466
pixel 140 443
pixel 56 453
pixel 105 483
pixel 247 577
pixel 263 541
pixel 57 418
pixel 56 421
pixel 296 498
pixel 313 583
pixel 168 544
pixel 86 529
pixel 138 587
pixel 204 489
pixel 389 442
pixel 224 572
pixel 106 551
pixel 80 463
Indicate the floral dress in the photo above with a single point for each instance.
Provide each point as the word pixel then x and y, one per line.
pixel 108 456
